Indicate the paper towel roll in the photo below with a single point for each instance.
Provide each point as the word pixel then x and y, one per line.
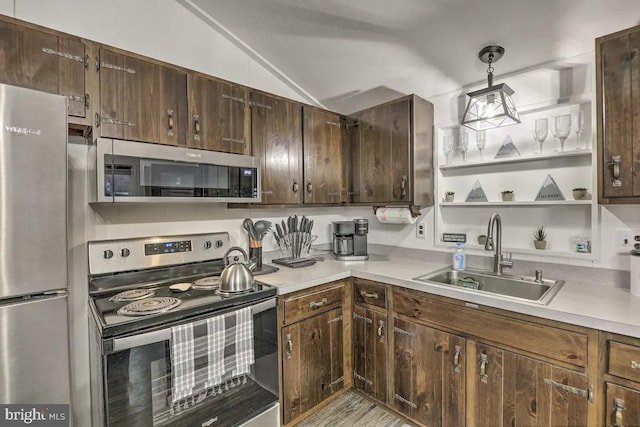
pixel 635 274
pixel 395 216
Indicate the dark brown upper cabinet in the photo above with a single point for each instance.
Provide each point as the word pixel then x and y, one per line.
pixel 618 112
pixel 325 160
pixel 219 115
pixel 276 138
pixel 391 153
pixel 141 100
pixel 44 61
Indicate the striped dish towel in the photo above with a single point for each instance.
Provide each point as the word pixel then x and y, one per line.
pixel 210 356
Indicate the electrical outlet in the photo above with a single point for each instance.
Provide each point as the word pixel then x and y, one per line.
pixel 627 240
pixel 421 232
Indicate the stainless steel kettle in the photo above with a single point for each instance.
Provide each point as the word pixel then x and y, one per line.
pixel 237 276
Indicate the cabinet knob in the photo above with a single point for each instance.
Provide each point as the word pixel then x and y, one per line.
pixel 124 252
pixel 456 359
pixel 484 360
pixel 196 127
pixel 107 254
pixel 295 187
pixel 289 347
pixel 381 330
pixel 208 244
pixel 618 407
pixel 309 187
pixel 170 122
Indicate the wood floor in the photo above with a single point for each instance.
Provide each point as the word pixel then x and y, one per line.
pixel 353 410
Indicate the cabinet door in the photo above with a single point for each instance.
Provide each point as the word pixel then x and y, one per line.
pixel 219 114
pixel 129 97
pixel 370 352
pixel 324 157
pixel 623 406
pixel 312 366
pixel 44 62
pixel 380 154
pixel 513 390
pixel 276 138
pixel 429 374
pixel 619 105
pixel 173 122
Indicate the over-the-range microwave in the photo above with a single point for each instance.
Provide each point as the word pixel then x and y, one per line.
pixel 125 171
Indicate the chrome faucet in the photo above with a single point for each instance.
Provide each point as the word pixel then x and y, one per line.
pixel 496 245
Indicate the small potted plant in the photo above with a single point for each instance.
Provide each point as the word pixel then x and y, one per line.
pixel 579 193
pixel 482 239
pixel 448 196
pixel 540 236
pixel 507 196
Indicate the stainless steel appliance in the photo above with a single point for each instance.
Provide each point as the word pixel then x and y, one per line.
pixel 125 171
pixel 142 288
pixel 350 240
pixel 34 360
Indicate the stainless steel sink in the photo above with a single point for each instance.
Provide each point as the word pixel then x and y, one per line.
pixel 508 286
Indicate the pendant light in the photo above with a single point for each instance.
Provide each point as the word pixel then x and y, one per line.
pixel 492 106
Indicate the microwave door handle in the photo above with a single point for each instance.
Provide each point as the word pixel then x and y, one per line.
pixel 126 343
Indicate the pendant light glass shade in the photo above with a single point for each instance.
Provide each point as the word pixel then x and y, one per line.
pixel 492 106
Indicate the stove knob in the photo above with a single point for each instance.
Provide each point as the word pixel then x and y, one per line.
pixel 207 244
pixel 124 252
pixel 219 243
pixel 107 254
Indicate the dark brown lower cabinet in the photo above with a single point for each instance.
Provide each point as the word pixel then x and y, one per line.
pixel 623 406
pixel 370 352
pixel 312 363
pixel 429 374
pixel 508 389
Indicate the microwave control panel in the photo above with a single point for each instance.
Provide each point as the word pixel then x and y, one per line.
pixel 167 247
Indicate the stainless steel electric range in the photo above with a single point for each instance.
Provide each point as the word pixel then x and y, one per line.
pixel 143 289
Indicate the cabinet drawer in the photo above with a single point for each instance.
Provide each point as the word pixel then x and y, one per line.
pixel 544 340
pixel 368 292
pixel 624 361
pixel 303 306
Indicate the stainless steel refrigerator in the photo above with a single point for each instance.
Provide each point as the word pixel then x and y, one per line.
pixel 34 342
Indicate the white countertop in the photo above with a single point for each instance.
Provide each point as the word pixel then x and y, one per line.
pixel 594 306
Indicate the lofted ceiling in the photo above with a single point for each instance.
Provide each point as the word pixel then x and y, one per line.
pixel 349 54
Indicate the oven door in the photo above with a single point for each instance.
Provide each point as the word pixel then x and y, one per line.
pixel 137 380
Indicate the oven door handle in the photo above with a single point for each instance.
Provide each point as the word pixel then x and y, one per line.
pixel 133 341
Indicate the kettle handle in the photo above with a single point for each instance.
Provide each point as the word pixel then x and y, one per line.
pixel 234 248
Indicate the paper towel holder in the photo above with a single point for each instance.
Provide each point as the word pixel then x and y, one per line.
pixel 415 210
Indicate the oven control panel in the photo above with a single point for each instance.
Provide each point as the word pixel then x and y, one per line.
pixel 114 256
pixel 167 247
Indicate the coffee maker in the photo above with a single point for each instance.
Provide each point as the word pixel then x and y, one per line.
pixel 350 240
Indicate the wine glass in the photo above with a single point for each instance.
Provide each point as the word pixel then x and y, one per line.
pixel 562 126
pixel 464 145
pixel 540 131
pixel 579 121
pixel 481 141
pixel 447 147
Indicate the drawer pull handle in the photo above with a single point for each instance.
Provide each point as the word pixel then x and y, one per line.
pixel 619 407
pixel 403 187
pixel 484 359
pixel 309 187
pixel 357 316
pixel 314 305
pixel 295 187
pixel 369 295
pixel 289 347
pixel 635 365
pixel 615 166
pixel 381 330
pixel 456 359
pixel 234 140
